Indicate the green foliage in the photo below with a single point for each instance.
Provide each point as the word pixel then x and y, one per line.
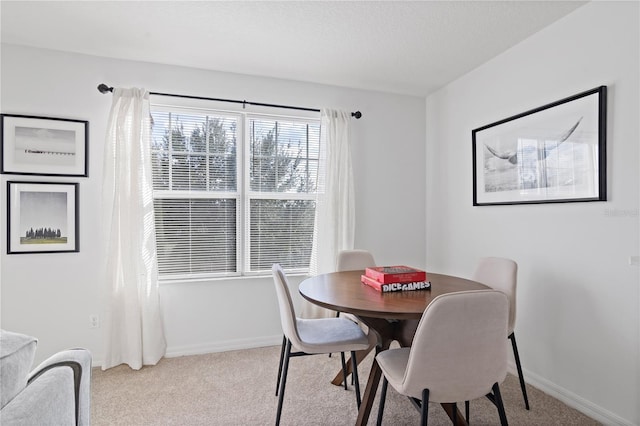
pixel 277 166
pixel 42 233
pixel 204 159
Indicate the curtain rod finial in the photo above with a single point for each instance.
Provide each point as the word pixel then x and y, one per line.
pixel 103 88
pixel 356 114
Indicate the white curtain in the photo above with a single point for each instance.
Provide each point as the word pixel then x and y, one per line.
pixel 335 207
pixel 134 333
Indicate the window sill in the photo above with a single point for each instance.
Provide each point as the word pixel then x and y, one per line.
pixel 213 280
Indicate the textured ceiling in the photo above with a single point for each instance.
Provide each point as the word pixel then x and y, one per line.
pixel 408 47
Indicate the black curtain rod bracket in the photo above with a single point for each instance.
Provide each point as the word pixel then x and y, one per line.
pixel 103 88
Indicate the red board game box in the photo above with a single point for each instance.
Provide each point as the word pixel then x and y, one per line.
pixel 395 274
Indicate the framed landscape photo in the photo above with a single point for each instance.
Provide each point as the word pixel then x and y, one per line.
pixel 44 146
pixel 42 217
pixel 552 154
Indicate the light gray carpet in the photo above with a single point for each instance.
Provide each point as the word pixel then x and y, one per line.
pixel 238 388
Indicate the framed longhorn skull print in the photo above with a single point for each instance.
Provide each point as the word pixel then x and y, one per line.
pixel 552 154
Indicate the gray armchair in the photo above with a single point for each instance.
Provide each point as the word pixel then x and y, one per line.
pixel 57 392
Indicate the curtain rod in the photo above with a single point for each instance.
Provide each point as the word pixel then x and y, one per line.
pixel 103 88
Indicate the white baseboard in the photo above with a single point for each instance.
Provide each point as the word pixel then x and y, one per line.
pixel 228 345
pixel 571 399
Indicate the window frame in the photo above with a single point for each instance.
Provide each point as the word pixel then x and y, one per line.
pixel 243 194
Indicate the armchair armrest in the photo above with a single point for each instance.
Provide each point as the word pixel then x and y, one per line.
pixel 47 401
pixel 79 360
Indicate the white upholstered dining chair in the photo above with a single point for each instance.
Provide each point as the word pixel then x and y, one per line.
pixel 502 274
pixel 351 260
pixel 458 353
pixel 313 336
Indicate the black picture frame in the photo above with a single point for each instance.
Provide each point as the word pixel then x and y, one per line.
pixel 45 146
pixel 552 154
pixel 42 217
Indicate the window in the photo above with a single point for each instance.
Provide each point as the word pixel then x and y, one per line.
pixel 233 193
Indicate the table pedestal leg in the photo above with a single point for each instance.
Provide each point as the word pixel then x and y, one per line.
pixel 370 391
pixel 459 418
pixel 360 355
pixel 386 332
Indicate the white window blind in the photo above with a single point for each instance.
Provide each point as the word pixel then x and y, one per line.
pixel 283 179
pixel 233 193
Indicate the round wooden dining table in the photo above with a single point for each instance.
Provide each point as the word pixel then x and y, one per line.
pixel 393 316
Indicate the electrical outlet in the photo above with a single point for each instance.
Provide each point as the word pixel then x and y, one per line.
pixel 94 321
pixel 634 260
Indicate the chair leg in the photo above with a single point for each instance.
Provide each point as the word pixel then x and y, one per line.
pixel 424 409
pixel 344 369
pixel 284 343
pixel 337 315
pixel 500 405
pixel 283 379
pixel 455 414
pixel 354 376
pixel 466 411
pixel 383 396
pixel 512 337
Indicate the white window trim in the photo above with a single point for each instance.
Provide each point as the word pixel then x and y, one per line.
pixel 242 195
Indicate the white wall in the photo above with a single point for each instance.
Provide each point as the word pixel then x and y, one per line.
pixel 578 298
pixel 51 296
